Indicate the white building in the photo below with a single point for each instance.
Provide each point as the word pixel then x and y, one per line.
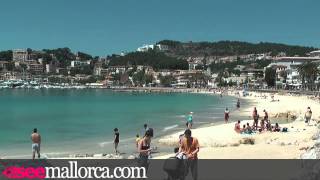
pixel 146 47
pixel 290 65
pixel 20 55
pixel 77 63
pixel 315 53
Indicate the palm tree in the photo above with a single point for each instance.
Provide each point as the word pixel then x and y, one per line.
pixel 308 72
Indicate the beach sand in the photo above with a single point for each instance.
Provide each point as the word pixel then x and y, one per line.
pixel 222 142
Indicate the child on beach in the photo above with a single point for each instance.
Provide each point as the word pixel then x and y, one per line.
pixel 137 140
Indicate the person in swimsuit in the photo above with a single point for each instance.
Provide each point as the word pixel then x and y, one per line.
pixel 277 128
pixel 255 117
pixel 144 150
pixel 243 130
pixel 189 120
pixel 116 140
pixel 36 141
pixel 226 115
pixel 237 127
pixel 264 121
pixel 308 115
pixel 248 129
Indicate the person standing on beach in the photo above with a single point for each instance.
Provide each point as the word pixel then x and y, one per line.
pixel 189 120
pixel 116 140
pixel 190 147
pixel 226 115
pixel 308 115
pixel 36 141
pixel 144 150
pixel 255 117
pixel 265 119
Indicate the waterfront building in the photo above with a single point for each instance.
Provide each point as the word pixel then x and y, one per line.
pixel 35 68
pixel 290 66
pixel 315 53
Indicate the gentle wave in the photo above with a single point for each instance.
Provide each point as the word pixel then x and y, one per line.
pixel 170 127
pixel 43 155
pixel 103 144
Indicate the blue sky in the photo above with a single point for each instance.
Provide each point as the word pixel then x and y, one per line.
pixel 102 27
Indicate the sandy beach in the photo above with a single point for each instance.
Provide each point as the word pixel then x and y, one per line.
pixel 222 142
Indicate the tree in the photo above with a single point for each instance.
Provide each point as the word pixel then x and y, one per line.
pixel 308 72
pixel 10 66
pixel 283 74
pixel 166 81
pixel 232 48
pixel 6 55
pixel 84 56
pixel 139 78
pixel 63 55
pixel 157 60
pixel 270 76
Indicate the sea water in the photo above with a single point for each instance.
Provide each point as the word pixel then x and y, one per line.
pixel 82 121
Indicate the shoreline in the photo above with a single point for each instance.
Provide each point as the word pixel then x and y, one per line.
pixel 219 141
pixel 222 142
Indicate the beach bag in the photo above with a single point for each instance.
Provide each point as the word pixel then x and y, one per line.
pixel 174 167
pixel 284 129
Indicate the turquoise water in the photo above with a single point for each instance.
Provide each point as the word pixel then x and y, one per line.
pixel 82 121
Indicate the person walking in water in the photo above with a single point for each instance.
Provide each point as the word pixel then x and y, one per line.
pixel 226 115
pixel 36 141
pixel 116 140
pixel 238 104
pixel 189 120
